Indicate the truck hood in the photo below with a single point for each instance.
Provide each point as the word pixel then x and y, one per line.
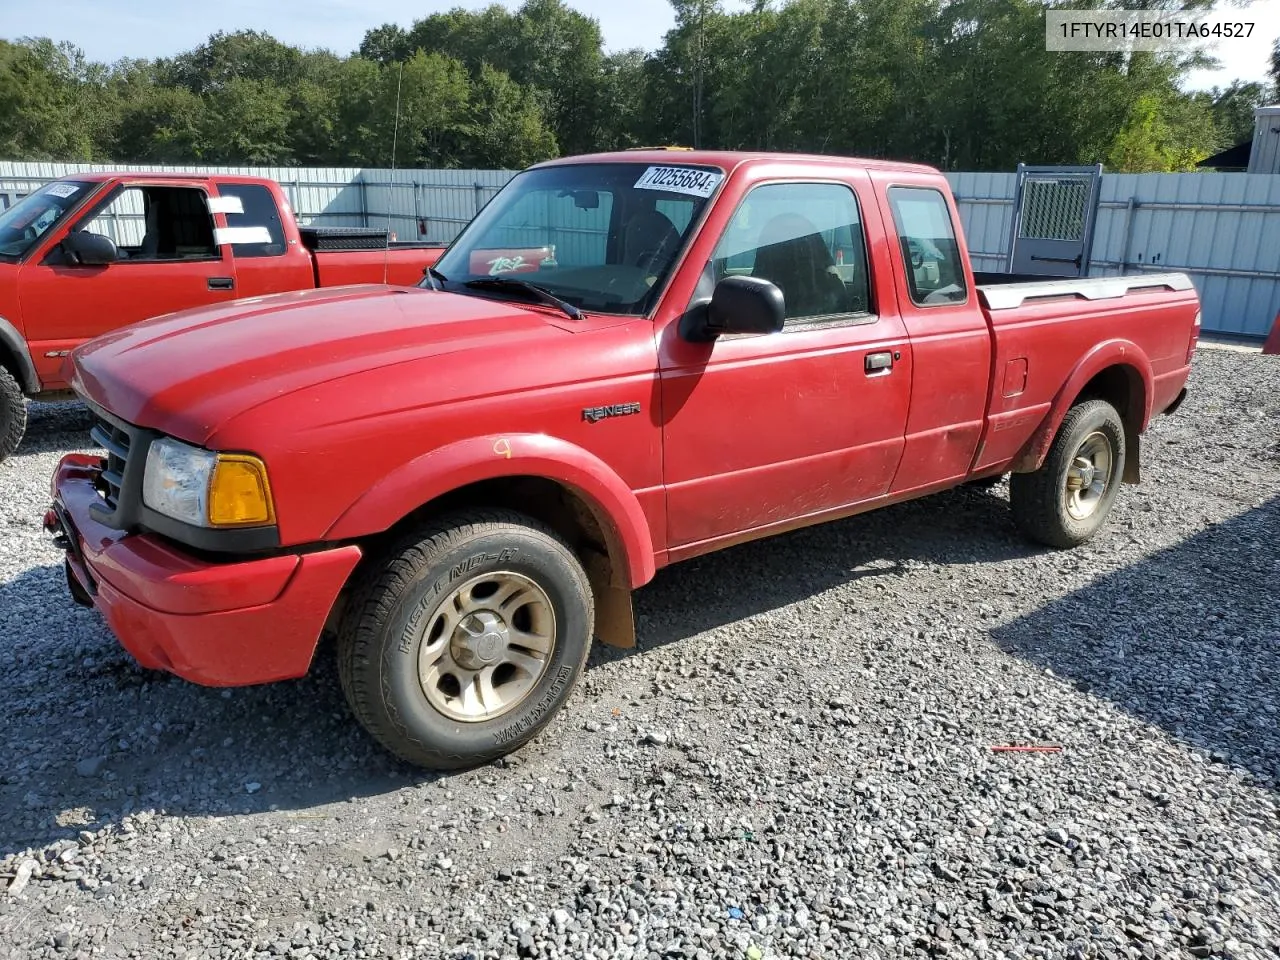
pixel 186 373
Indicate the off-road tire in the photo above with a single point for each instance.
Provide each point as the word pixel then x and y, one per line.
pixel 392 601
pixel 13 414
pixel 1037 499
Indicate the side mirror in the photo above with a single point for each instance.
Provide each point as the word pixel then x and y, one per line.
pixel 740 305
pixel 89 249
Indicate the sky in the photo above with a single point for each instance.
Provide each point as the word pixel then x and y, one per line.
pixel 107 31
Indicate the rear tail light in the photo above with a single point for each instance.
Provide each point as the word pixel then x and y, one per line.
pixel 1195 336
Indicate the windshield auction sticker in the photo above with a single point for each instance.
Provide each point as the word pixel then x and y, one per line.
pixel 696 183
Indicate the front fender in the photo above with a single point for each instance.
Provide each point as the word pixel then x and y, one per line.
pixel 13 343
pixel 508 455
pixel 1109 353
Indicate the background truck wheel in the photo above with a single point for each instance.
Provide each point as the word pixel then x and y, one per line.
pixel 1067 500
pixel 466 639
pixel 13 414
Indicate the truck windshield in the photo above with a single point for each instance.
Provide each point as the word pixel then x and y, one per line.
pixel 602 237
pixel 23 224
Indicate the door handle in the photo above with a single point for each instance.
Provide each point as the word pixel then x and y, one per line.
pixel 1075 260
pixel 222 283
pixel 878 362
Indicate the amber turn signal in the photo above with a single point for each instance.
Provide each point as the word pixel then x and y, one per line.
pixel 239 492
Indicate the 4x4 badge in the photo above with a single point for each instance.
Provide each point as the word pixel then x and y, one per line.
pixel 596 414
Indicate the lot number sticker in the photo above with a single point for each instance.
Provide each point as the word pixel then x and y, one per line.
pixel 63 190
pixel 696 183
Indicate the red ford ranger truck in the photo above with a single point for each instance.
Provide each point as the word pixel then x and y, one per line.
pixel 94 252
pixel 464 481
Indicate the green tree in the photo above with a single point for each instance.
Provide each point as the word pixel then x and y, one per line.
pixel 545 46
pixel 226 57
pixel 246 122
pixel 160 125
pixel 434 93
pixel 962 84
pixel 1162 137
pixel 505 127
pixel 51 102
pixel 1233 108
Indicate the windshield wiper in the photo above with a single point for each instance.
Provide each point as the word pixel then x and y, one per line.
pixel 541 294
pixel 434 276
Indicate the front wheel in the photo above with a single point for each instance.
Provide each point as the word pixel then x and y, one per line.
pixel 1067 500
pixel 13 414
pixel 466 640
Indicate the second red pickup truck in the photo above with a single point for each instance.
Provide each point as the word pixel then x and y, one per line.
pixel 680 352
pixel 94 252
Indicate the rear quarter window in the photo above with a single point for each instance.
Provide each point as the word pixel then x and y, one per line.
pixel 259 211
pixel 927 245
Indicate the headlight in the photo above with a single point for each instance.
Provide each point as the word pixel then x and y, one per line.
pixel 206 489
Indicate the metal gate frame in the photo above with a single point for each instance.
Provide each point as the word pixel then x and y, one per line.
pixel 1093 173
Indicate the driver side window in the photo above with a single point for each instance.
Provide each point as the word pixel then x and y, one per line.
pixel 805 238
pixel 151 224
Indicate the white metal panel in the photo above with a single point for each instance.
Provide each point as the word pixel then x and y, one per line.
pixel 1222 229
pixel 1264 156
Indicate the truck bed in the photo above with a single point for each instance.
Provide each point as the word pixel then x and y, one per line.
pixel 1045 329
pixel 331 239
pixel 1004 291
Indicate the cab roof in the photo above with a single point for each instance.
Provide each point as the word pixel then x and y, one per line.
pixel 729 160
pixel 98 176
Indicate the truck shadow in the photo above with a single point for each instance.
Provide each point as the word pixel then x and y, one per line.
pixel 89 736
pixel 1187 640
pixel 94 737
pixel 958 526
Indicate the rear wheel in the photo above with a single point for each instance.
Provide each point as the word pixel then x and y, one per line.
pixel 467 639
pixel 13 414
pixel 1068 499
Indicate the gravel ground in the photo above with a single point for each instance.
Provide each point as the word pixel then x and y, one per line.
pixel 706 795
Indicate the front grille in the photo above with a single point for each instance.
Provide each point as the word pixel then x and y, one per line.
pixel 121 481
pixel 116 440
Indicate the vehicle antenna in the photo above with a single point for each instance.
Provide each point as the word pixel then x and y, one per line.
pixel 391 187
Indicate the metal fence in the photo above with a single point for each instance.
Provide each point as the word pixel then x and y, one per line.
pixel 427 205
pixel 1222 229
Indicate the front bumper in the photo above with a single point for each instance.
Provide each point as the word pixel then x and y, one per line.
pixel 215 624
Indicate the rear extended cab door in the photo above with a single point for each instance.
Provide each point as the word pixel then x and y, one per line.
pixel 167 260
pixel 263 237
pixel 950 339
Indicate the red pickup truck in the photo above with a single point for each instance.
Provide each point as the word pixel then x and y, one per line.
pixel 97 251
pixel 464 482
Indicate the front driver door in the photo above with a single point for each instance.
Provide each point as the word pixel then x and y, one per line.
pixel 168 261
pixel 762 430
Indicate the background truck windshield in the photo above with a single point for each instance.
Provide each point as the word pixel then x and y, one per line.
pixel 601 236
pixel 35 215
